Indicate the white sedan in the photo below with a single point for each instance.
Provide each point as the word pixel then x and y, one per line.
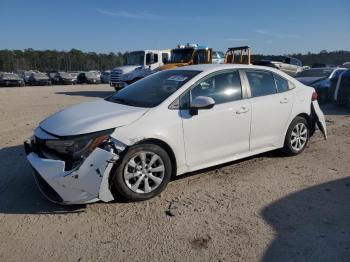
pixel 168 124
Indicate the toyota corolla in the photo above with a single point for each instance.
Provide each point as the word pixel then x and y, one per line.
pixel 168 124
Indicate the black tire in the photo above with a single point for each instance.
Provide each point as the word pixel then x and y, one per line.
pixel 288 148
pixel 118 177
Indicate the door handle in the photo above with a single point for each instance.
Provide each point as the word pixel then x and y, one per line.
pixel 284 100
pixel 242 110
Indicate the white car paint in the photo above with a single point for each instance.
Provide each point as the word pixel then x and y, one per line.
pixel 227 132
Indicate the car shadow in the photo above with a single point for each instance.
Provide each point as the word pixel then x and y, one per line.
pixel 18 191
pixel 100 94
pixel 312 224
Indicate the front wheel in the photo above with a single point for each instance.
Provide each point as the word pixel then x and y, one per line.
pixel 143 173
pixel 297 137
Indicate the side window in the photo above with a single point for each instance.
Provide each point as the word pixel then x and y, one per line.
pixel 224 87
pixel 202 56
pixel 165 57
pixel 287 60
pixel 155 58
pixel 148 59
pixel 281 83
pixel 261 83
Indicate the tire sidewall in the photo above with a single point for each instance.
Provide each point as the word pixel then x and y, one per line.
pixel 118 178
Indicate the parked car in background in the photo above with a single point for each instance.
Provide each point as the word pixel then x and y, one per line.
pixel 25 75
pixel 218 57
pixel 51 75
pixel 324 80
pixel 288 65
pixel 75 76
pixel 64 78
pixel 88 78
pixel 105 76
pixel 10 79
pixel 167 124
pixel 39 79
pixel 342 90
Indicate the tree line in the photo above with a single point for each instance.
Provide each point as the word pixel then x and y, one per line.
pixel 77 60
pixel 51 60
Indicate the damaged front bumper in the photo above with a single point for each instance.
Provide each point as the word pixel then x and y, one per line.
pixel 84 184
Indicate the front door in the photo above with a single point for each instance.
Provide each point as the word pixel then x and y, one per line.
pixel 221 132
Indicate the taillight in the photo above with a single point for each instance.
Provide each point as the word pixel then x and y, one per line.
pixel 314 96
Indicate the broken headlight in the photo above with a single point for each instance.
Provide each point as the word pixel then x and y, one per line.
pixel 78 147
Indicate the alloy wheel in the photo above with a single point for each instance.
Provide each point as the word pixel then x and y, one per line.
pixel 298 137
pixel 144 172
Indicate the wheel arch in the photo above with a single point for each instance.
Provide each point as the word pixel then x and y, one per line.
pixel 307 117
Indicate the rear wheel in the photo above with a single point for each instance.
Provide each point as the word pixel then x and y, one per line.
pixel 297 137
pixel 143 173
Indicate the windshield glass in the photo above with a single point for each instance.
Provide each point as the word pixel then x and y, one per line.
pixel 324 72
pixel 183 55
pixel 9 75
pixel 90 75
pixel 40 75
pixel 135 58
pixel 65 75
pixel 154 89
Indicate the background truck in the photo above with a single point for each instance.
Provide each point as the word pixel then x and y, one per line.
pixel 190 54
pixel 138 65
pixel 289 65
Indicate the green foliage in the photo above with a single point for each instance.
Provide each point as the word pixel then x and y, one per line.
pixel 47 60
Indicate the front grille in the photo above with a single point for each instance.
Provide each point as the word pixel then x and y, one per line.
pixel 116 76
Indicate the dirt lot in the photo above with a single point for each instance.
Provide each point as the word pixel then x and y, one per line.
pixel 265 208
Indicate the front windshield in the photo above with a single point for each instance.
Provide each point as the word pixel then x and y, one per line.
pixel 135 58
pixel 9 75
pixel 65 75
pixel 40 75
pixel 154 89
pixel 183 55
pixel 90 75
pixel 322 72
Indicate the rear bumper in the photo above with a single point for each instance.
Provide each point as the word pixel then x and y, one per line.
pixel 81 185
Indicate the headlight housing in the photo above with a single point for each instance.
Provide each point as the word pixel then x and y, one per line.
pixel 79 147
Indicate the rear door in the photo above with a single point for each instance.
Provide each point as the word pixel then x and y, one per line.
pixel 271 108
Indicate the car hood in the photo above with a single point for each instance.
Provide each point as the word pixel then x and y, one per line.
pixel 91 117
pixel 309 80
pixel 127 69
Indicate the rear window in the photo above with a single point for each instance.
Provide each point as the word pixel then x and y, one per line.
pixel 261 83
pixel 281 83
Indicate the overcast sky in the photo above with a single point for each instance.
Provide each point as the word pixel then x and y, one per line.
pixel 269 27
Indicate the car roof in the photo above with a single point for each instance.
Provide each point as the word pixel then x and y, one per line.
pixel 215 67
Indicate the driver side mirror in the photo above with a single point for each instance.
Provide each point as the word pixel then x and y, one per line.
pixel 200 103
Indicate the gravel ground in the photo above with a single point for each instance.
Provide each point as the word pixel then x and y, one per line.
pixel 265 208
